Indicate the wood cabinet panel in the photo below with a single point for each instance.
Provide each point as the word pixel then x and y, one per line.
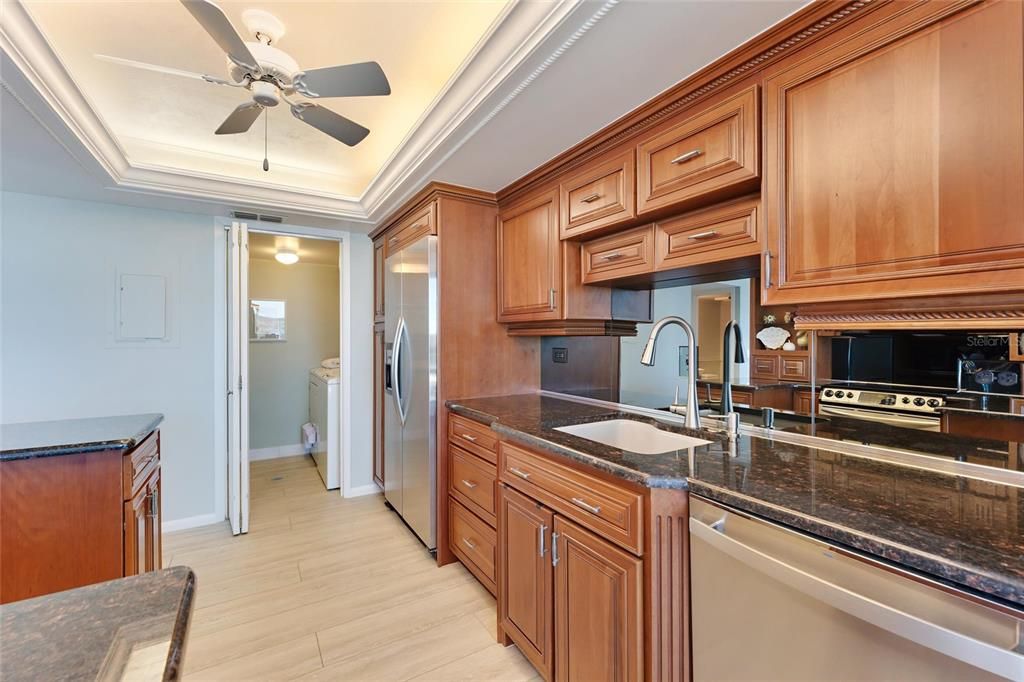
pixel 895 158
pixel 525 597
pixel 764 366
pixel 422 222
pixel 794 367
pixel 802 401
pixel 610 510
pixel 138 465
pixel 378 280
pixel 529 260
pixel 620 255
pixel 474 542
pixel 703 155
pixel 474 437
pixel 473 482
pixel 598 197
pixel 598 607
pixel 719 233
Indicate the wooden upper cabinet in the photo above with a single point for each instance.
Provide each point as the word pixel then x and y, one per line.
pixel 421 222
pixel 704 157
pixel 598 594
pixel 529 259
pixel 622 254
pixel 719 233
pixel 378 280
pixel 894 158
pixel 599 196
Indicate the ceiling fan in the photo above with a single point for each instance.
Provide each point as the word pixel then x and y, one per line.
pixel 272 76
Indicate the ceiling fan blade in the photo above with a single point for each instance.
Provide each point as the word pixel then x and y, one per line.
pixel 241 119
pixel 216 23
pixel 162 69
pixel 366 79
pixel 335 125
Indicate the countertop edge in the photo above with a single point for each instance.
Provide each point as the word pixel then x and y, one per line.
pixel 118 444
pixel 179 638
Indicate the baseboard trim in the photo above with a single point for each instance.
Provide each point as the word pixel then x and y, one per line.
pixel 277 452
pixel 191 522
pixel 370 489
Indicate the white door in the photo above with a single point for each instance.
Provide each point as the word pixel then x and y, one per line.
pixel 238 377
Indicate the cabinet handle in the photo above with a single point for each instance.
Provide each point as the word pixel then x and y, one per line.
pixel 418 226
pixel 393 239
pixel 468 484
pixel 554 549
pixel 469 544
pixel 471 439
pixel 153 502
pixel 683 158
pixel 520 473
pixel 704 235
pixel 551 298
pixel 583 505
pixel 590 198
pixel 612 256
pixel 767 269
pixel 541 532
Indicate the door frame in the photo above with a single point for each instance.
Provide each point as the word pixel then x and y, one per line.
pixel 222 291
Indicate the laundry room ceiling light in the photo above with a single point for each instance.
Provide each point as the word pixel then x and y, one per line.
pixel 286 257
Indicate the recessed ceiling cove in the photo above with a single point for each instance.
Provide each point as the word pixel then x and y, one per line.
pixel 164 119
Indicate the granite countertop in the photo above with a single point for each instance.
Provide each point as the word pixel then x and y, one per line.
pixel 910 516
pixel 26 440
pixel 130 628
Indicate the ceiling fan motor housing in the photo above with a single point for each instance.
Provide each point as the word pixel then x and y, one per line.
pixel 275 63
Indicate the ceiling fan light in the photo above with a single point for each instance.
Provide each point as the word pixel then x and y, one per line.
pixel 286 257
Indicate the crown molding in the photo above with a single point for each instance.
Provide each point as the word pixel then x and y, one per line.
pixel 517 37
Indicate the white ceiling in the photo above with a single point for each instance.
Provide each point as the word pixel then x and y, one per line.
pixel 549 75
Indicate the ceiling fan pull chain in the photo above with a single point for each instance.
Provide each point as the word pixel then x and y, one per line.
pixel 266 125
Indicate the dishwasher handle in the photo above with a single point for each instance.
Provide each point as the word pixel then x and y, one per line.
pixel 975 652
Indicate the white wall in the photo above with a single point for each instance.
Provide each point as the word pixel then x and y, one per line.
pixel 357 363
pixel 59 358
pixel 279 370
pixel 655 386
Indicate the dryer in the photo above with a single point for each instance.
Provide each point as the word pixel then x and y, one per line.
pixel 324 414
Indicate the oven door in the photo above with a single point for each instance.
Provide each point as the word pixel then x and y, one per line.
pixel 924 422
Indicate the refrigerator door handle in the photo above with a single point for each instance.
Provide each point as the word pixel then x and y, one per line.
pixel 397 361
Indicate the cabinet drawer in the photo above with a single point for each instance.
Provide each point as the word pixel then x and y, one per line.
pixel 412 228
pixel 726 231
pixel 620 255
pixel 474 542
pixel 472 481
pixel 598 197
pixel 765 367
pixel 794 368
pixel 706 154
pixel 137 465
pixel 473 436
pixel 611 511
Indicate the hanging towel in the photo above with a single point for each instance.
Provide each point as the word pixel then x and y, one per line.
pixel 309 435
pixel 331 363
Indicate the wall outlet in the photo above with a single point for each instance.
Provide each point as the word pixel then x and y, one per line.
pixel 560 355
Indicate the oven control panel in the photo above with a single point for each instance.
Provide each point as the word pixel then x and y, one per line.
pixel 904 402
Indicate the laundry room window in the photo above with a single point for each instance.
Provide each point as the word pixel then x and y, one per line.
pixel 267 320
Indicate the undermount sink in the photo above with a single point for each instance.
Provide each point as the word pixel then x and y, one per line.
pixel 633 436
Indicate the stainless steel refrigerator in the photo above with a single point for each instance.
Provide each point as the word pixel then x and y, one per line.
pixel 410 385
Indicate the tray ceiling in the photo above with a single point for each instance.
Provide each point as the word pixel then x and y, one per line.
pixel 166 121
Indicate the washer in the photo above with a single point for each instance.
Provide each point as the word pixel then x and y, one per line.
pixel 324 415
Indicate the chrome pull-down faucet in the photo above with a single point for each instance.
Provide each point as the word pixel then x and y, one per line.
pixel 692 417
pixel 731 329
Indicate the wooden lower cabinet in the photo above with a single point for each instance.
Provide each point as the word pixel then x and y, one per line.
pixel 598 595
pixel 571 601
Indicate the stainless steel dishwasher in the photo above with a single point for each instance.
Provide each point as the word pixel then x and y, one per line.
pixel 771 603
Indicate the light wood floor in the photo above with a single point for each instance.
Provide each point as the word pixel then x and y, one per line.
pixel 327 588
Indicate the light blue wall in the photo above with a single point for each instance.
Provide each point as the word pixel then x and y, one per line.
pixel 59 358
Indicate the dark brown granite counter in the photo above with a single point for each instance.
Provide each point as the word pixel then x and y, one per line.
pixel 130 628
pixel 70 436
pixel 964 531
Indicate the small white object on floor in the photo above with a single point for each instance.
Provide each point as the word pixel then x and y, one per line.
pixel 331 363
pixel 309 435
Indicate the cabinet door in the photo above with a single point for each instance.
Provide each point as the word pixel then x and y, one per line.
pixel 136 532
pixel 378 280
pixel 529 262
pixel 598 608
pixel 895 159
pixel 525 575
pixel 378 406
